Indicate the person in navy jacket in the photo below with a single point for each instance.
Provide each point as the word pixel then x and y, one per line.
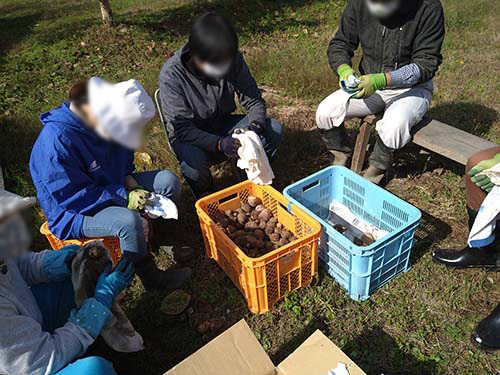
pixel 82 165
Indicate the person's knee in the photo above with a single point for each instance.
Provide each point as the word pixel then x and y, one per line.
pixel 168 184
pixel 394 132
pixel 275 132
pixel 199 176
pixel 325 108
pixel 127 222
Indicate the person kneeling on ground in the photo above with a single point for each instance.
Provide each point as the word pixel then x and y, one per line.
pixel 41 330
pixel 487 333
pixel 82 165
pixel 401 42
pixel 197 87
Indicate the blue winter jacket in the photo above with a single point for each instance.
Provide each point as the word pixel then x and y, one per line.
pixel 76 172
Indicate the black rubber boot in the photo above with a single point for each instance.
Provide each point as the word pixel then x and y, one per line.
pixel 155 279
pixel 487 333
pixel 338 144
pixel 380 161
pixel 470 257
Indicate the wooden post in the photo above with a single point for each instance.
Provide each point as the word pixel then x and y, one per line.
pixel 359 154
pixel 106 12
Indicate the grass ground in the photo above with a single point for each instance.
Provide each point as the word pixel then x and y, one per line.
pixel 417 324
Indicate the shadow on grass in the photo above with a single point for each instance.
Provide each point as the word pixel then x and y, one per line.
pixel 431 230
pixel 14 29
pixel 376 352
pixel 249 17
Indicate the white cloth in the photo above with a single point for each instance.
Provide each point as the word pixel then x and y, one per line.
pixel 159 206
pixel 341 369
pixel 253 158
pixel 403 108
pixel 122 110
pixel 482 231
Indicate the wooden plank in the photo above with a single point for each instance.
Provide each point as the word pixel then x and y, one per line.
pixel 448 141
pixel 359 154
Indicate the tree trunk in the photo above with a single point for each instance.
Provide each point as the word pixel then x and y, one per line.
pixel 106 12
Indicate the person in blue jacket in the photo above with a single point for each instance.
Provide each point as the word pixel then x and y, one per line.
pixel 42 332
pixel 82 167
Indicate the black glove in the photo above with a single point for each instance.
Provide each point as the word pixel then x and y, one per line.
pixel 229 146
pixel 257 127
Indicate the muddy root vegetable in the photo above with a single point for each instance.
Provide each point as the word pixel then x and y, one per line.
pixel 242 218
pixel 269 246
pixel 254 215
pixel 259 208
pixel 273 221
pixel 269 230
pixel 251 225
pixel 262 225
pixel 253 201
pixel 265 215
pixel 274 237
pixel 246 207
pixel 259 234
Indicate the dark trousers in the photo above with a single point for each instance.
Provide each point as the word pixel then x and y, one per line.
pixel 195 162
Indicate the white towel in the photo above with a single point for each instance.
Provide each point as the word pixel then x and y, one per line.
pixel 253 158
pixel 159 206
pixel 331 112
pixel 482 232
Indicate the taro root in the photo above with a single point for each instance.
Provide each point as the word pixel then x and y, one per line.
pixel 274 237
pixel 223 222
pixel 251 225
pixel 269 246
pixel 259 244
pixel 250 240
pixel 269 230
pixel 262 224
pixel 240 211
pixel 259 234
pixel 242 218
pixel 253 201
pixel 283 242
pixel 229 213
pixel 273 221
pixel 246 207
pixel 231 228
pixel 254 215
pixel 265 214
pixel 259 208
pixel 285 233
pixel 279 226
pixel 340 228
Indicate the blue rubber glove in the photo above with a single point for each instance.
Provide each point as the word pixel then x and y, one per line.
pixel 229 146
pixel 112 283
pixel 57 263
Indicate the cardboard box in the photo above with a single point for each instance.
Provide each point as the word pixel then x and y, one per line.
pixel 238 352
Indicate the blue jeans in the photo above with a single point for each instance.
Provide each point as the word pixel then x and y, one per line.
pixel 55 301
pixel 196 162
pixel 126 224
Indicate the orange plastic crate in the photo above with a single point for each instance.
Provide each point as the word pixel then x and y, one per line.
pixel 264 280
pixel 111 243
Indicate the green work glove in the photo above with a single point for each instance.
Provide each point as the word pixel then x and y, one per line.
pixel 137 199
pixel 483 182
pixel 369 84
pixel 344 71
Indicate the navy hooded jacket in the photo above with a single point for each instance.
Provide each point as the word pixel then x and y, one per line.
pixel 76 172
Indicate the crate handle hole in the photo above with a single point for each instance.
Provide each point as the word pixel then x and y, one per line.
pixel 228 198
pixel 310 186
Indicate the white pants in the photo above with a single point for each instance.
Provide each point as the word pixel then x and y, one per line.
pixel 403 109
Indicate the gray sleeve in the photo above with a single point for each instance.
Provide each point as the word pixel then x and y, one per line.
pixel 180 115
pixel 30 266
pixel 26 349
pixel 248 92
pixel 407 76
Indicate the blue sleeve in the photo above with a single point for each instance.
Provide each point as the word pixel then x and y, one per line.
pixel 407 76
pixel 91 316
pixel 74 191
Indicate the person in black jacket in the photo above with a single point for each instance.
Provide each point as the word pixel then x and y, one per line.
pixel 197 86
pixel 401 43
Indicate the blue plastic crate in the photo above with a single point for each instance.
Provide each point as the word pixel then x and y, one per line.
pixel 360 270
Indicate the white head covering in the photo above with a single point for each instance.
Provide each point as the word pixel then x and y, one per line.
pixel 122 109
pixel 14 234
pixel 11 203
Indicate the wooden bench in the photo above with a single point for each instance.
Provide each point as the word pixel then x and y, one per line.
pixel 432 135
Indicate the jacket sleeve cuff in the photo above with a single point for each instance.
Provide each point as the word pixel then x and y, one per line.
pixel 119 194
pixel 91 316
pixel 54 263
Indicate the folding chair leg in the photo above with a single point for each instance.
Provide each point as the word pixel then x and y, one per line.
pixel 359 154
